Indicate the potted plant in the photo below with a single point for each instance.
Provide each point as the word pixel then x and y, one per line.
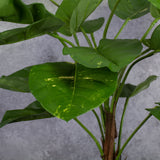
pixel 96 79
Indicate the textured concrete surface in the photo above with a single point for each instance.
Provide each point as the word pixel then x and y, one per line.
pixel 54 139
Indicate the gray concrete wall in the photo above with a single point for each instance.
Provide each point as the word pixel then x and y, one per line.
pixel 54 139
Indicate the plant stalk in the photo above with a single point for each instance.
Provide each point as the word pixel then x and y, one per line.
pixel 132 135
pixel 56 4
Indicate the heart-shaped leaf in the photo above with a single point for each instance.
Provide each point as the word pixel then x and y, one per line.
pixel 81 12
pixel 130 90
pixel 41 27
pixel 156 3
pixel 68 90
pixel 130 8
pixel 155 39
pixel 17 81
pixel 33 112
pixel 91 26
pixel 114 54
pixel 155 112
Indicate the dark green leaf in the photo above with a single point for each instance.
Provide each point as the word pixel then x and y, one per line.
pixel 64 13
pixel 50 24
pixel 130 90
pixel 91 26
pixel 81 12
pixel 155 39
pixel 156 3
pixel 147 42
pixel 130 8
pixel 114 54
pixel 127 90
pixel 17 81
pixel 68 90
pixel 155 12
pixel 33 112
pixel 155 112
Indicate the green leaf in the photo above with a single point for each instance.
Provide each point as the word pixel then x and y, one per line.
pixel 147 42
pixel 127 90
pixel 155 12
pixel 68 90
pixel 41 27
pixel 155 112
pixel 155 39
pixel 156 3
pixel 81 12
pixel 130 8
pixel 130 90
pixel 33 112
pixel 144 85
pixel 64 13
pixel 114 54
pixel 17 81
pixel 91 26
pixel 15 11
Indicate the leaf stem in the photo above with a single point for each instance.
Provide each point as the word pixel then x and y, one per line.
pixel 122 27
pixel 86 37
pixel 149 29
pixel 110 18
pixel 102 117
pixel 61 39
pixel 132 135
pixel 76 39
pixel 93 40
pixel 121 124
pixel 99 123
pixel 91 135
pixel 56 4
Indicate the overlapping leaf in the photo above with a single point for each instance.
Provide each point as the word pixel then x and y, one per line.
pixel 156 3
pixel 130 90
pixel 81 12
pixel 130 8
pixel 17 81
pixel 33 112
pixel 155 12
pixel 68 90
pixel 41 27
pixel 155 112
pixel 114 54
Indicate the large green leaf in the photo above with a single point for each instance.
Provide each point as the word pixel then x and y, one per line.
pixel 130 90
pixel 156 3
pixel 130 8
pixel 64 13
pixel 17 81
pixel 81 12
pixel 114 54
pixel 50 24
pixel 91 26
pixel 33 112
pixel 68 90
pixel 155 39
pixel 155 112
pixel 155 12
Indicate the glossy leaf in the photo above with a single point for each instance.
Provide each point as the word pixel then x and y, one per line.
pixel 114 54
pixel 68 90
pixel 64 13
pixel 155 12
pixel 91 26
pixel 130 90
pixel 155 39
pixel 130 8
pixel 81 12
pixel 156 3
pixel 17 81
pixel 33 112
pixel 155 112
pixel 50 24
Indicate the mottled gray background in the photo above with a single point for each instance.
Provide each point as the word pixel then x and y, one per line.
pixel 54 139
